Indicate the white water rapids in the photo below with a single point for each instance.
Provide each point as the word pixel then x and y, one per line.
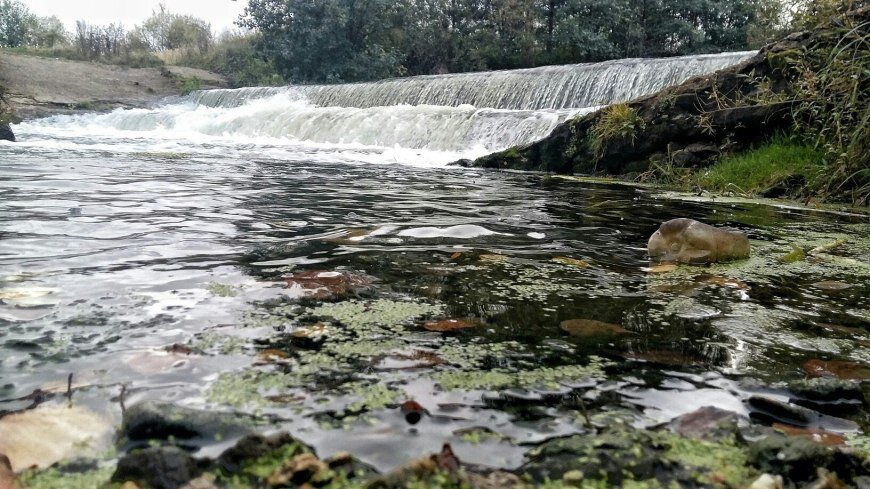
pixel 422 121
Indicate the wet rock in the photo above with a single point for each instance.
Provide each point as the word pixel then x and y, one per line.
pixel 48 434
pixel 827 394
pixel 798 459
pixel 689 241
pixel 151 420
pixel 770 409
pixel 706 423
pixel 157 468
pixel 840 369
pixel 253 447
pixel 694 155
pixel 604 455
pixel 6 133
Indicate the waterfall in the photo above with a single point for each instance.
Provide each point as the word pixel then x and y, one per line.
pixel 547 87
pixel 448 116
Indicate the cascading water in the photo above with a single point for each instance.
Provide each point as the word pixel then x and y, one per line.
pixel 425 120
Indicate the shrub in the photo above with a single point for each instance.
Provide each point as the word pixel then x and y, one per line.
pixel 617 122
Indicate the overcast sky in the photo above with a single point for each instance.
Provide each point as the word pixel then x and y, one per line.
pixel 219 13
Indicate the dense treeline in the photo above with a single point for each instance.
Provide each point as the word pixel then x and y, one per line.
pixel 367 39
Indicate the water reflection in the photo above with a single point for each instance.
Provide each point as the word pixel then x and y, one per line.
pixel 108 264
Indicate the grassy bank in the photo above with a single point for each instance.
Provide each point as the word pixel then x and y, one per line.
pixel 782 162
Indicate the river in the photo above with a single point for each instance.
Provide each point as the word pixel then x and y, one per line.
pixel 256 252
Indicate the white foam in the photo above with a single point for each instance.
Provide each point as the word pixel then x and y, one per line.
pixel 463 231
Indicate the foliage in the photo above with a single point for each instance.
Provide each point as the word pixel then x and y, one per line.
pixel 349 40
pixel 617 122
pixel 762 167
pixel 167 31
pixel 187 85
pixel 234 55
pixel 14 22
pixel 833 102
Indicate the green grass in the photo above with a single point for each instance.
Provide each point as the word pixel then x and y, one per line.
pixel 760 168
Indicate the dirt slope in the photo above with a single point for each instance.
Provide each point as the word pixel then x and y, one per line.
pixel 39 87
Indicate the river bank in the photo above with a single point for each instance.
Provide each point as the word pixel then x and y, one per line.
pixel 789 121
pixel 40 87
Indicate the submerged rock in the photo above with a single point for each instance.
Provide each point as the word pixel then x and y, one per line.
pixel 6 133
pixel 689 241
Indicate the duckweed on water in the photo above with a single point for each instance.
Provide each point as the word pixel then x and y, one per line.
pixel 359 314
pixel 219 343
pixel 496 379
pixel 222 290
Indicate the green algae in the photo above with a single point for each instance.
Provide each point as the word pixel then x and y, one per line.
pixel 222 290
pixel 52 478
pixel 247 388
pixel 372 396
pixel 211 341
pixel 497 379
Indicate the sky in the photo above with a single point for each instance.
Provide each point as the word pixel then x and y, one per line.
pixel 219 13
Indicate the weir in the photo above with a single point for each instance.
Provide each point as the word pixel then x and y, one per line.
pixel 547 87
pixel 466 115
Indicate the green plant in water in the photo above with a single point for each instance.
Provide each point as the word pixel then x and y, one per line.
pixel 617 122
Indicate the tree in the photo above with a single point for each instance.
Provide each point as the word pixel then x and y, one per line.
pixel 47 32
pixel 325 40
pixel 165 31
pixel 15 21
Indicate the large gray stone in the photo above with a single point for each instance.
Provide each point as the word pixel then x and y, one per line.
pixel 6 133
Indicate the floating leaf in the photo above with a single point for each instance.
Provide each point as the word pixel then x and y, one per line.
pixel 322 284
pixel 272 355
pixel 407 361
pixel 590 327
pixel 444 325
pixel 840 369
pixel 571 262
pixel 816 435
pixel 456 256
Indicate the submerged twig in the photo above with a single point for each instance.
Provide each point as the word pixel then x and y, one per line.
pixel 827 247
